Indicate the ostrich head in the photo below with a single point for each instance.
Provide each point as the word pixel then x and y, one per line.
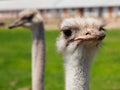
pixel 80 32
pixel 27 18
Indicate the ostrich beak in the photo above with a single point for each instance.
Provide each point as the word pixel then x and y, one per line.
pixel 90 37
pixel 16 24
pixel 101 37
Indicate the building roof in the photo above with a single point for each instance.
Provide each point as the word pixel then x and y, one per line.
pixel 53 4
pixel 88 3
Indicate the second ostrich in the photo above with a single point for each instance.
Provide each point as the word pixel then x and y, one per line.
pixel 32 19
pixel 79 40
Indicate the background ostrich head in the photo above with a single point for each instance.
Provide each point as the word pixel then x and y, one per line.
pixel 27 18
pixel 80 32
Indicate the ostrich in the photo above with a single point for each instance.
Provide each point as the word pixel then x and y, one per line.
pixel 32 19
pixel 79 40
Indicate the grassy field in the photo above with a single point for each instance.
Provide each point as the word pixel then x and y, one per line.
pixel 15 62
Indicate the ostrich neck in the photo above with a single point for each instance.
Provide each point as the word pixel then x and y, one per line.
pixel 38 57
pixel 77 67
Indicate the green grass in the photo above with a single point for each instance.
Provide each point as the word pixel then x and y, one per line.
pixel 15 62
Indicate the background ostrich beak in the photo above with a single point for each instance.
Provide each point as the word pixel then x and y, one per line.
pixel 16 24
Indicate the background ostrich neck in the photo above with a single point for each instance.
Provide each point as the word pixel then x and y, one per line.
pixel 38 57
pixel 77 67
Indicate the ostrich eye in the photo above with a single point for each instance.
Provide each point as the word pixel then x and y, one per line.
pixel 29 18
pixel 101 28
pixel 67 32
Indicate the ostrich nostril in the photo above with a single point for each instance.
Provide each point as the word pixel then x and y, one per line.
pixel 88 33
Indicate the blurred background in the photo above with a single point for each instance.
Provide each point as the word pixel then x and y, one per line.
pixel 54 11
pixel 15 45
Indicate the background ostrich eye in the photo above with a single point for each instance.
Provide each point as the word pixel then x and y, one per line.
pixel 101 28
pixel 67 32
pixel 29 18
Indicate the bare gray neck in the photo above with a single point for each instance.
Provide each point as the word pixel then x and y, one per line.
pixel 38 57
pixel 77 68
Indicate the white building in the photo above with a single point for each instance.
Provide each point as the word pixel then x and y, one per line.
pixel 58 9
pixel 104 8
